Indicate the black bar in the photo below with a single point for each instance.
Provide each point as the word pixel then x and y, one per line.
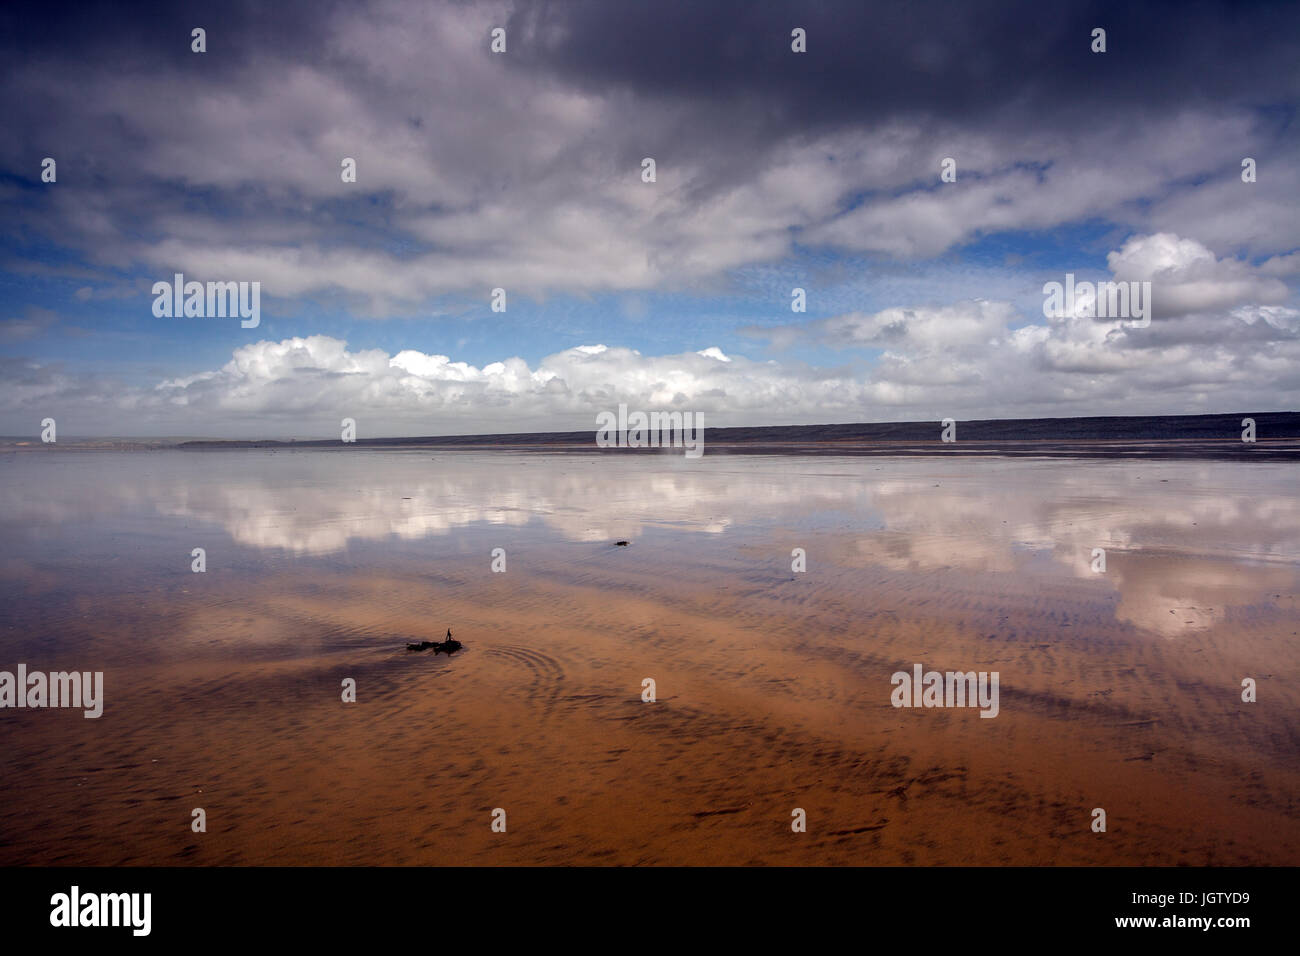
pixel 659 908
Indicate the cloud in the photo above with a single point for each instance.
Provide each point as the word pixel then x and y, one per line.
pixel 1217 331
pixel 952 327
pixel 297 382
pixel 1187 278
pixel 967 359
pixel 522 170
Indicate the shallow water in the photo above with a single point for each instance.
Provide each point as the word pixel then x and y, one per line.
pixel 1119 689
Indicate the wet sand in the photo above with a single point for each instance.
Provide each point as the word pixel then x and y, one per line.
pixel 1119 690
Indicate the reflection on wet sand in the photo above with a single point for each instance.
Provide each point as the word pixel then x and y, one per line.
pixel 1120 689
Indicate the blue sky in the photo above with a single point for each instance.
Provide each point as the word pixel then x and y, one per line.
pixel 121 332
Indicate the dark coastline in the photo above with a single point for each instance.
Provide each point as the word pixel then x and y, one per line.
pixel 1206 437
pixel 1144 437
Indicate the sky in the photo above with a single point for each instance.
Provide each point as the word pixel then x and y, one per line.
pixel 523 170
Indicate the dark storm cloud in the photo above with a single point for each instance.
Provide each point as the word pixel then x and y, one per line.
pixel 958 60
pixel 868 61
pixel 726 67
pixel 153 34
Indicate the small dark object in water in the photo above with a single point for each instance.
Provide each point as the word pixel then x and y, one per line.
pixel 449 646
pixel 620 544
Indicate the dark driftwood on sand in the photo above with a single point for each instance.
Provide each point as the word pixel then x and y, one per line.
pixel 439 647
pixel 449 646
